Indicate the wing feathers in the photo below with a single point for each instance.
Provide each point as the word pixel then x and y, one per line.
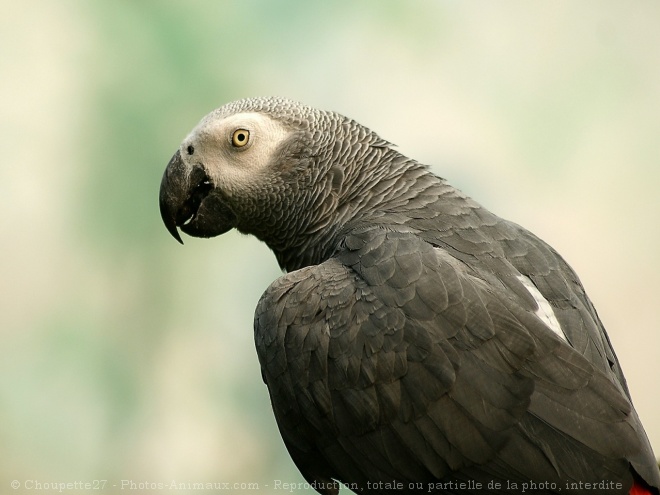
pixel 396 360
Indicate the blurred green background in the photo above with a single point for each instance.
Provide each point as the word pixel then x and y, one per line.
pixel 125 356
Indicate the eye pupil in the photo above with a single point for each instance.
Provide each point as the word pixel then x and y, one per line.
pixel 190 149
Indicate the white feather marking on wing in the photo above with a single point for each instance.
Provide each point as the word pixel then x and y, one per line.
pixel 544 310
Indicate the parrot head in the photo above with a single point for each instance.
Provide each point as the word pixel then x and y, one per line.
pixel 287 173
pixel 220 172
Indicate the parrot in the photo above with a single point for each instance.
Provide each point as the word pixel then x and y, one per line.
pixel 415 342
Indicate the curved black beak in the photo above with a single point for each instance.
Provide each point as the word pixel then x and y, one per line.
pixel 173 194
pixel 189 201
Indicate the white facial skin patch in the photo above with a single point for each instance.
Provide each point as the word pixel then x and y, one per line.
pixel 544 311
pixel 234 168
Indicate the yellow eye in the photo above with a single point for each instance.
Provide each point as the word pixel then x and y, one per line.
pixel 240 137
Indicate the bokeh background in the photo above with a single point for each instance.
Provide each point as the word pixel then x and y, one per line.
pixel 125 356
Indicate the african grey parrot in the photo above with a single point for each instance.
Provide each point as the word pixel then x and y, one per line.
pixel 417 343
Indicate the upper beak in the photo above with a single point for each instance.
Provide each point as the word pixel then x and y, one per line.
pixel 182 192
pixel 188 200
pixel 174 191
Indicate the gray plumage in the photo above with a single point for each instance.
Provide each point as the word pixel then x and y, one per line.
pixel 406 342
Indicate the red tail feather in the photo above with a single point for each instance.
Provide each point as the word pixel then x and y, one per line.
pixel 639 489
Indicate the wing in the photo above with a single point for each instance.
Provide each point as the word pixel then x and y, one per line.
pixel 503 252
pixel 396 362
